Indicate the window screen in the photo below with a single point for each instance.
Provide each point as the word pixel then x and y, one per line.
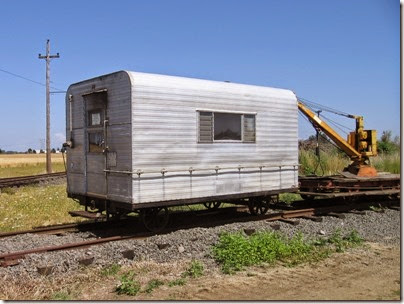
pixel 227 126
pixel 95 142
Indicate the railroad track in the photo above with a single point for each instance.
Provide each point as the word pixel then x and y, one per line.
pixel 28 180
pixel 192 219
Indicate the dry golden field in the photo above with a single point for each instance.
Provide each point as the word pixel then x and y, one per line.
pixel 28 164
pixel 21 160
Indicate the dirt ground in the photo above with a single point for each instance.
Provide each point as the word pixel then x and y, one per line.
pixel 370 273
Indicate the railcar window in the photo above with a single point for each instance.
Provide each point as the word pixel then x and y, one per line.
pixel 95 142
pixel 227 126
pixel 95 118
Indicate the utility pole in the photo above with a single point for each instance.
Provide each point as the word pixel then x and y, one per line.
pixel 48 57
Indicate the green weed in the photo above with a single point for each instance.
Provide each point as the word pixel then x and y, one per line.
pixel 110 270
pixel 128 285
pixel 340 242
pixel 235 251
pixel 152 284
pixel 177 282
pixel 289 197
pixel 375 208
pixel 195 270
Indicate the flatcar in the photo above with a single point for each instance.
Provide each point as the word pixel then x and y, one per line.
pixel 139 142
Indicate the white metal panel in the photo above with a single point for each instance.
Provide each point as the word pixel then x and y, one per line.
pixel 165 136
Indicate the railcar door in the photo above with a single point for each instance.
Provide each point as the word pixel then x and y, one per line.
pixel 95 105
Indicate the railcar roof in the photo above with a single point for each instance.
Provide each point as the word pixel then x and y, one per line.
pixel 146 79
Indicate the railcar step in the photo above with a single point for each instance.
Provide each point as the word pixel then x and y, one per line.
pixel 87 214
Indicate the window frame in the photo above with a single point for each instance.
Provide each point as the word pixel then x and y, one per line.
pixel 242 121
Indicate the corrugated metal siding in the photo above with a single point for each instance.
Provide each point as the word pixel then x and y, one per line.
pixel 88 175
pixel 165 135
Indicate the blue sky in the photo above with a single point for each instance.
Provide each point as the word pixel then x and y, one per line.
pixel 343 54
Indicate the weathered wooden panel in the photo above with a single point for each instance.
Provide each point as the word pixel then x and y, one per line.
pixel 96 183
pixel 117 111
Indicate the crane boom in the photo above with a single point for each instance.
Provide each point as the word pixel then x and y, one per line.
pixel 359 146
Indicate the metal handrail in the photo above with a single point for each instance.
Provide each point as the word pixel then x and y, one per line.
pixel 163 171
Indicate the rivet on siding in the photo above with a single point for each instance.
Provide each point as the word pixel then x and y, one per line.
pixel 163 171
pixel 190 170
pixel 217 169
pixel 239 168
pixel 139 172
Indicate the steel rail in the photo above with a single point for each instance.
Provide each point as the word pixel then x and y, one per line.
pixel 30 179
pixel 51 229
pixel 12 258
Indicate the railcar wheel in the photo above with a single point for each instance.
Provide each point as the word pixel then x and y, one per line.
pixel 155 219
pixel 258 206
pixel 212 205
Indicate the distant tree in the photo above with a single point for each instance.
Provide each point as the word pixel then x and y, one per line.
pixel 2 151
pixel 34 151
pixel 41 151
pixel 53 150
pixel 29 150
pixel 386 136
pixel 386 145
pixel 397 140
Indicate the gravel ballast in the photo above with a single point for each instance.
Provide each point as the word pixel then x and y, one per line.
pixel 195 243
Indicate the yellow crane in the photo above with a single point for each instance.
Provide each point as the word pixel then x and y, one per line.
pixel 359 146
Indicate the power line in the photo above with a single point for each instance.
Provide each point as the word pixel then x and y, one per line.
pixel 27 79
pixel 325 108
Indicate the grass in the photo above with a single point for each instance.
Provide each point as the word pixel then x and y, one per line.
pixel 235 251
pixel 30 206
pixel 61 296
pixel 387 162
pixel 330 163
pixel 28 164
pixel 333 163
